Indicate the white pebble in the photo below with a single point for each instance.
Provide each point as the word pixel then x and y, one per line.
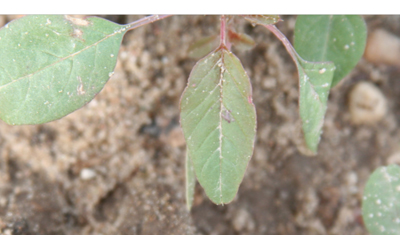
pixel 383 48
pixel 367 104
pixel 87 174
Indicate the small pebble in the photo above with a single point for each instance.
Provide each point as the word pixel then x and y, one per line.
pixel 367 104
pixel 243 221
pixel 394 158
pixel 383 48
pixel 87 174
pixel 269 83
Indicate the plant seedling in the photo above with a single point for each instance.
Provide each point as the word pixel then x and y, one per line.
pixel 52 65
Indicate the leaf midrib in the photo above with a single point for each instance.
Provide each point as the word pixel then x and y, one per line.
pixel 325 46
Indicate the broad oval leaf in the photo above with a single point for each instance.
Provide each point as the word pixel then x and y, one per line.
pixel 218 119
pixel 381 201
pixel 52 65
pixel 315 81
pixel 338 38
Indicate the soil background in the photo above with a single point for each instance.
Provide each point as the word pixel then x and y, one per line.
pixel 116 166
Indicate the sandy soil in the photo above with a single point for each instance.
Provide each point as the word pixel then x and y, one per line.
pixel 116 166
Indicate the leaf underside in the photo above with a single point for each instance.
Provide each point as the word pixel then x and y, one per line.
pixel 218 119
pixel 52 65
pixel 381 207
pixel 339 38
pixel 315 82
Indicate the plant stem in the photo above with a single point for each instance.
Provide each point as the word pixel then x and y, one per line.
pixel 222 31
pixel 284 40
pixel 145 20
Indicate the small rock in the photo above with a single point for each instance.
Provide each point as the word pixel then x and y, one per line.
pixel 176 138
pixel 8 232
pixel 366 103
pixel 383 48
pixel 269 83
pixel 394 158
pixel 87 174
pixel 351 178
pixel 242 220
pixel 351 181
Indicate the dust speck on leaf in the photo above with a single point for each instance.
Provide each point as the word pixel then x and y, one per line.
pixel 226 115
pixel 346 47
pixel 77 33
pixel 79 89
pixel 77 21
pixel 250 99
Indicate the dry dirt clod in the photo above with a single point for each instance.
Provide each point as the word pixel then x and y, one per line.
pixel 367 104
pixel 383 48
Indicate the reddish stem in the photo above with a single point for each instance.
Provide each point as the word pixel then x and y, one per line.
pixel 223 31
pixel 284 40
pixel 146 20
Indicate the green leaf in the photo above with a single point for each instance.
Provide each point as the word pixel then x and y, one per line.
pixel 263 19
pixel 52 65
pixel 219 123
pixel 203 46
pixel 315 81
pixel 381 201
pixel 338 38
pixel 190 181
pixel 241 41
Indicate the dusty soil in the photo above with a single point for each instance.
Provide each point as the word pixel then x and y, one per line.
pixel 116 166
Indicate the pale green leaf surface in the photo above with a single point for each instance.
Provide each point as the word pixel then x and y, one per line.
pixel 381 201
pixel 52 65
pixel 339 38
pixel 315 82
pixel 190 181
pixel 219 123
